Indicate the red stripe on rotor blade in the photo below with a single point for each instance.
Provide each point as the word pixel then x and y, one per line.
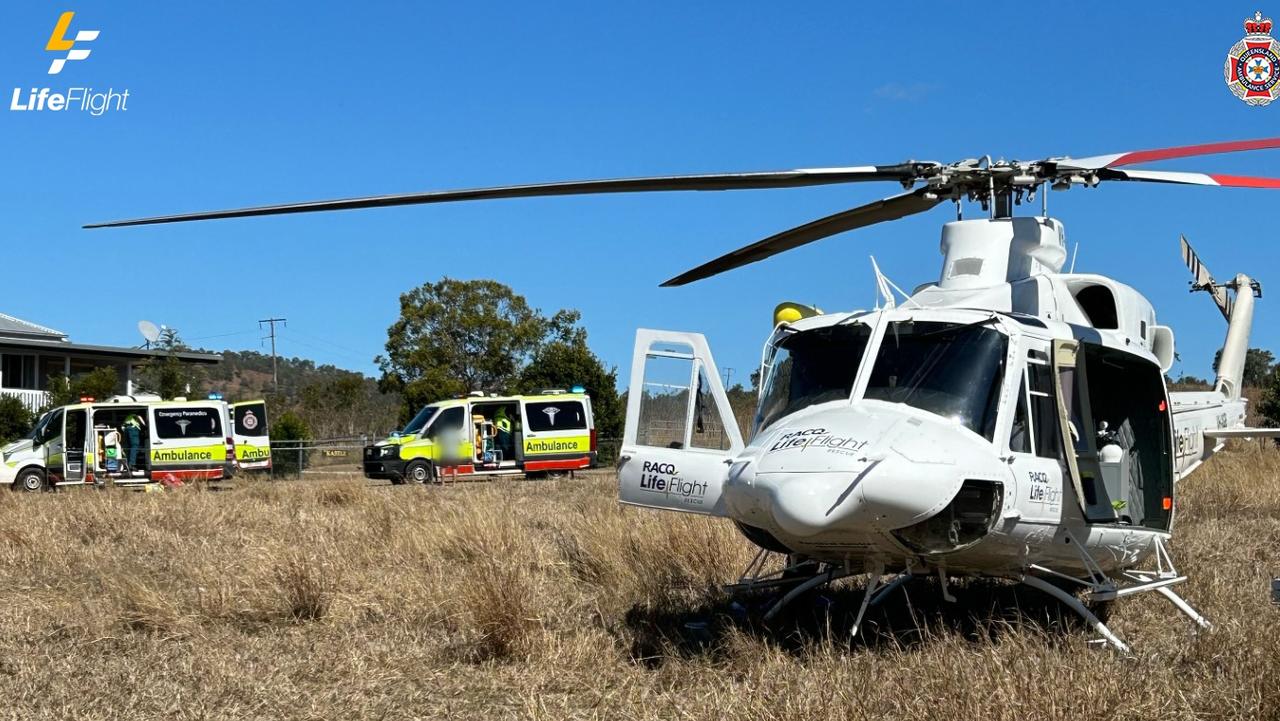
pixel 1186 151
pixel 1245 181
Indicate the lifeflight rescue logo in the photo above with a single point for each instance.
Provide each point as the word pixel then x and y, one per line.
pixel 69 45
pixel 1252 69
pixel 58 43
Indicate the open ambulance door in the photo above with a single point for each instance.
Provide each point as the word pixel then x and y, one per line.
pixel 681 434
pixel 66 454
pixel 250 433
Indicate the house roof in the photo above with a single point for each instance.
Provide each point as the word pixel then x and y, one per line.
pixel 109 351
pixel 11 327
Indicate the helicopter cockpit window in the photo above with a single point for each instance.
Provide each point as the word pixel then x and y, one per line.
pixel 811 367
pixel 949 369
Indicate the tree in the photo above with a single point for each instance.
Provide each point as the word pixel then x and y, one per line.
pixel 564 364
pixel 15 420
pixel 1269 402
pixel 288 432
pixel 166 375
pixel 457 336
pixel 346 405
pixel 99 383
pixel 1257 366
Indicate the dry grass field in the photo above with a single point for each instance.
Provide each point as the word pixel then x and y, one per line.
pixel 338 600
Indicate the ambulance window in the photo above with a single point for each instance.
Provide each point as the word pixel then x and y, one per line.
pixel 250 419
pixel 449 421
pixel 188 423
pixel 556 416
pixel 421 420
pixel 50 427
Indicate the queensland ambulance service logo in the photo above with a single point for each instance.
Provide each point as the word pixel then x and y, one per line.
pixel 58 43
pixel 1253 65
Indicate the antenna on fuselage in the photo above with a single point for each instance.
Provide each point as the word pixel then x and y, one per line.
pixel 1074 252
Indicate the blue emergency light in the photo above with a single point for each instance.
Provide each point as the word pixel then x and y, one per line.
pixel 577 389
pixel 215 396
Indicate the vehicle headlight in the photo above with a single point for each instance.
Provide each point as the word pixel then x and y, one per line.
pixel 388 451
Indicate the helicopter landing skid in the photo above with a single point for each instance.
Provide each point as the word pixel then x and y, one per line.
pixel 808 575
pixel 1100 587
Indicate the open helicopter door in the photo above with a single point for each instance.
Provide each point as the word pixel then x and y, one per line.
pixel 1073 420
pixel 681 434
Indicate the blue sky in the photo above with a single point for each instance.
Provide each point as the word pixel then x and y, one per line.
pixel 252 103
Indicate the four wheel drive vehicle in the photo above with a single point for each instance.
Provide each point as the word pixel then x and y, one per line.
pixel 249 431
pixel 489 435
pixel 125 441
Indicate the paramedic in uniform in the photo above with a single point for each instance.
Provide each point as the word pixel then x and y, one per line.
pixel 133 439
pixel 503 425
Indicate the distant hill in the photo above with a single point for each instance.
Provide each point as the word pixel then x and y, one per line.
pixel 333 401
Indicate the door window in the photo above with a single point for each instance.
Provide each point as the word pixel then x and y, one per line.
pixel 448 423
pixel 664 400
pixel 250 419
pixel 195 422
pixel 556 416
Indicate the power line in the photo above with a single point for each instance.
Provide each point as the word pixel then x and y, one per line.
pixel 275 378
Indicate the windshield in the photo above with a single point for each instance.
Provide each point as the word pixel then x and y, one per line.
pixel 811 367
pixel 421 420
pixel 950 369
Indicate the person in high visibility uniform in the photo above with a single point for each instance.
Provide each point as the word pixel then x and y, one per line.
pixel 505 440
pixel 132 427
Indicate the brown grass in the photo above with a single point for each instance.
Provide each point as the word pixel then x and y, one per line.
pixel 336 600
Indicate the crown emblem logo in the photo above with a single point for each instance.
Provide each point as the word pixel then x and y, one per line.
pixel 1252 69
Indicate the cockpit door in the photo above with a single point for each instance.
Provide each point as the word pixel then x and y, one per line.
pixel 681 434
pixel 1066 377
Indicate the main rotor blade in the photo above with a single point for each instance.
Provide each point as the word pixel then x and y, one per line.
pixel 893 208
pixel 1115 160
pixel 1180 178
pixel 713 181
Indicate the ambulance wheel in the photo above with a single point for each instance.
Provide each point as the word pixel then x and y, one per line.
pixel 420 472
pixel 30 480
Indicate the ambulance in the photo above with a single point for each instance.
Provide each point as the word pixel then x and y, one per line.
pixel 126 440
pixel 489 435
pixel 249 432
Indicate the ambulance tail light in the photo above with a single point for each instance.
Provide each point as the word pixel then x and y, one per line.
pixel 231 450
pixel 593 440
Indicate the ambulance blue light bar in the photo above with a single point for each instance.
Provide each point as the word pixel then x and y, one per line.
pixel 215 396
pixel 577 389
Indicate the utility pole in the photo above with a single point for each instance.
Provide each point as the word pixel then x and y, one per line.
pixel 275 379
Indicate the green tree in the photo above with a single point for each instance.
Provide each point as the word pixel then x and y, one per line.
pixel 1257 366
pixel 288 432
pixel 456 336
pixel 99 384
pixel 564 364
pixel 15 420
pixel 165 375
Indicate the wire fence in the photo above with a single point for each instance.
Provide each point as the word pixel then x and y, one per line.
pixel 291 459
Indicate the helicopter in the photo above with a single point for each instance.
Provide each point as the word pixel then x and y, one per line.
pixel 1008 420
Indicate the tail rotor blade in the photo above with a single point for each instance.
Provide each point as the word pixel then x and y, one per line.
pixel 893 208
pixel 1204 279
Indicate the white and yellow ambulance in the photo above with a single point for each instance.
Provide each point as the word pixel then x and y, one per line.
pixel 126 441
pixel 489 435
pixel 249 431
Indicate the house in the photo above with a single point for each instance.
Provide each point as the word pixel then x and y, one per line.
pixel 30 353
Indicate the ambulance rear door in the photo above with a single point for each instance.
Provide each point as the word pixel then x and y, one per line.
pixel 249 429
pixel 188 441
pixel 556 433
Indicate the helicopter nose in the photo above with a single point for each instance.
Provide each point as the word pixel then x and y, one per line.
pixel 858 471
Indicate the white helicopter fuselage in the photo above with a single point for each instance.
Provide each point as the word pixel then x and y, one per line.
pixel 1006 418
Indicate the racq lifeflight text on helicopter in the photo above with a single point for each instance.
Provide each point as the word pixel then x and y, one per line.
pixel 1006 420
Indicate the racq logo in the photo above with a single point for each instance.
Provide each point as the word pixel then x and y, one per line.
pixel 84 99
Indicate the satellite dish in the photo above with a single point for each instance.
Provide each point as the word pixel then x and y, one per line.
pixel 150 332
